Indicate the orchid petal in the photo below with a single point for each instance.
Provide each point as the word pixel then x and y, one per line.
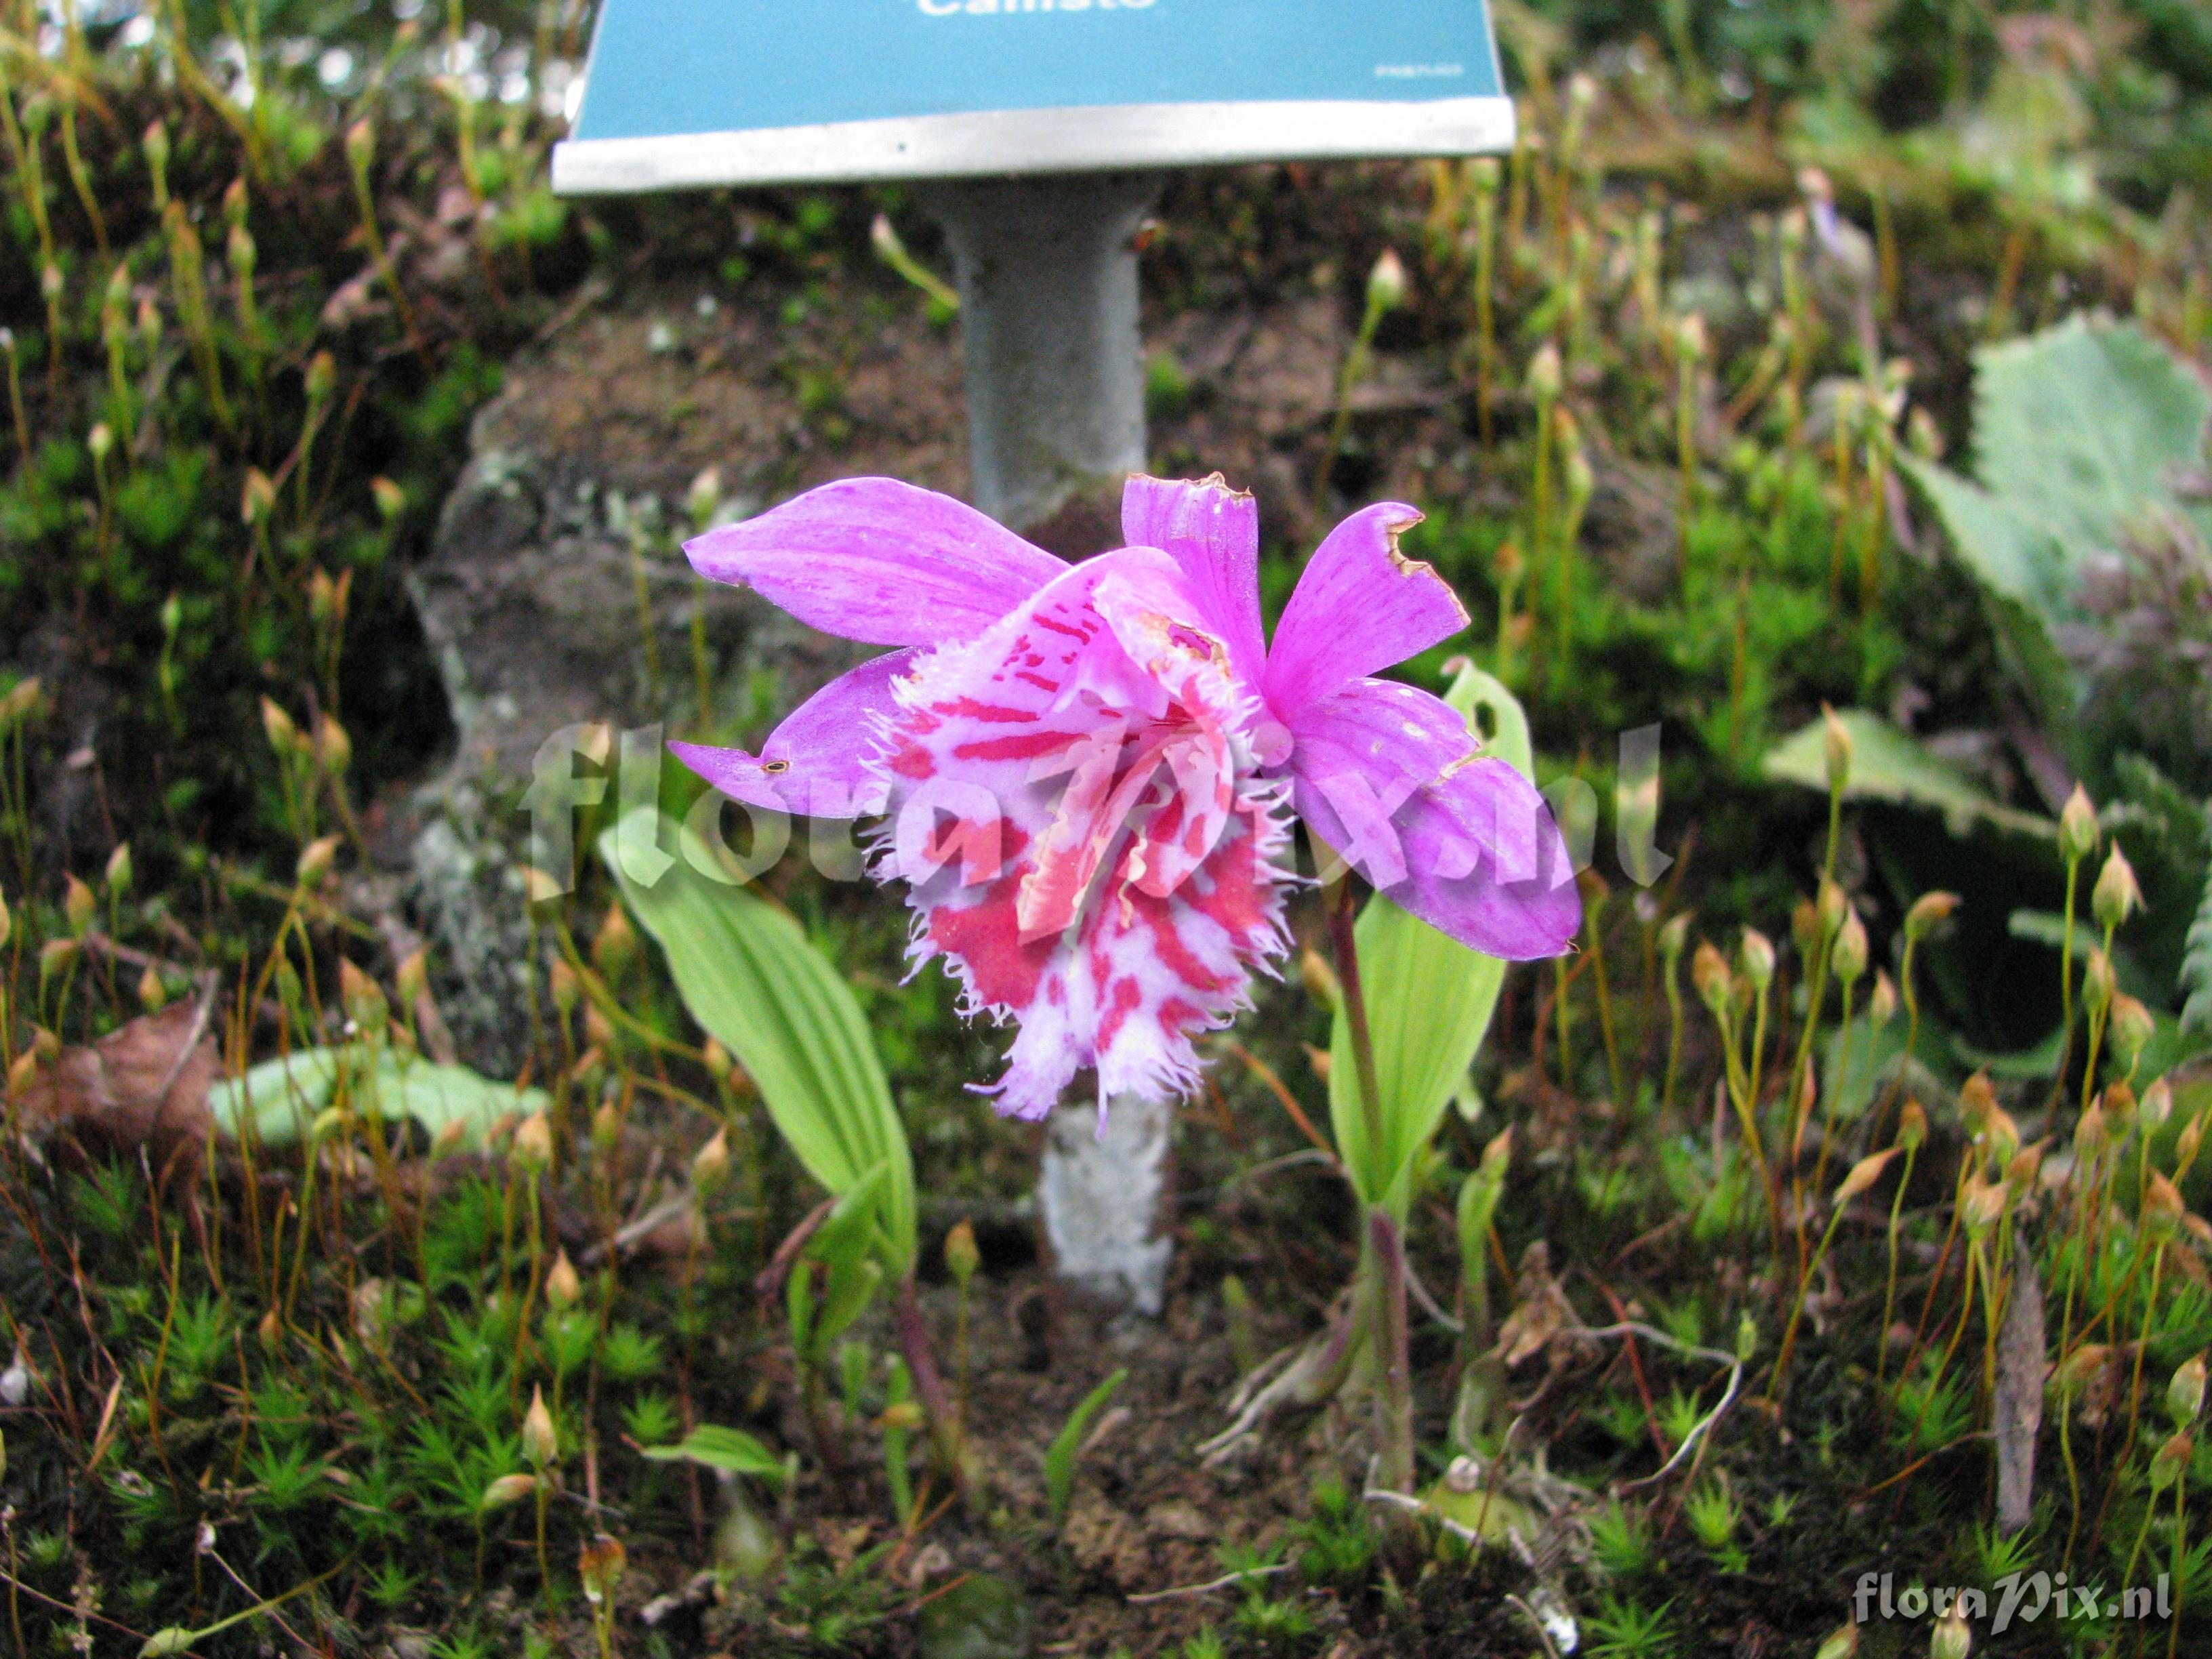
pixel 1213 532
pixel 1360 605
pixel 1469 848
pixel 817 762
pixel 876 560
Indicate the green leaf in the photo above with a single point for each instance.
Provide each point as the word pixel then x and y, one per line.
pixel 1059 1460
pixel 1429 999
pixel 2080 432
pixel 283 1097
pixel 1887 765
pixel 748 973
pixel 732 1451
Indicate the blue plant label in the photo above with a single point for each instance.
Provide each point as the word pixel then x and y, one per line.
pixel 706 92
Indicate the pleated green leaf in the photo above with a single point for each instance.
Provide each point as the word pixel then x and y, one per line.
pixel 1429 998
pixel 749 976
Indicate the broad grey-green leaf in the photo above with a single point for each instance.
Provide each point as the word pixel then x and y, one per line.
pixel 749 976
pixel 2080 432
pixel 1888 765
pixel 1429 999
pixel 731 1452
pixel 283 1097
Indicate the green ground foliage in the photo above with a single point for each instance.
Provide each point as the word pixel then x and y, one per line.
pixel 1801 355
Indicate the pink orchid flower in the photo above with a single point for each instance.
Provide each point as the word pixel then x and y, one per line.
pixel 1090 771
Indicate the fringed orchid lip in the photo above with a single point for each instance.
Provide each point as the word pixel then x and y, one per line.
pixel 1089 772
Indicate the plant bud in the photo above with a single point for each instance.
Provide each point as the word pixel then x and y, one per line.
pixel 156 146
pixel 1831 907
pixel 256 497
pixel 2077 827
pixel 598 1030
pixel 1672 938
pixel 281 734
pixel 2187 1145
pixel 242 251
pixel 2100 985
pixel 1546 375
pixel 391 499
pixel 2170 1461
pixel 539 887
pixel 1882 1001
pixel 1321 981
pixel 561 980
pixel 904 1417
pixel 333 749
pixel 1976 1100
pixel 1999 1134
pixel 1498 1157
pixel 360 144
pixel 118 874
pixel 1386 284
pixel 2185 1394
pixel 153 995
pixel 1757 955
pixel 1982 1206
pixel 1836 741
pixel 1847 958
pixel 50 282
pixel 315 859
pixel 2162 1209
pixel 2131 1028
pixel 2119 1104
pixel 2025 1164
pixel 57 955
pixel 2092 1134
pixel 78 905
pixel 506 1490
pixel 322 375
pixel 533 1149
pixel 7 922
pixel 2158 1104
pixel 412 976
pixel 720 1066
pixel 150 326
pixel 1691 342
pixel 2079 1368
pixel 599 1564
pixel 1841 1642
pixel 1709 972
pixel 541 1443
pixel 710 1164
pixel 2116 896
pixel 363 999
pixel 100 440
pixel 1911 1126
pixel 1863 1174
pixel 22 1074
pixel 962 1257
pixel 615 947
pixel 562 1285
pixel 1953 1640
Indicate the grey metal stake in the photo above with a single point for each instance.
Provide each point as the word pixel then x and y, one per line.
pixel 1047 269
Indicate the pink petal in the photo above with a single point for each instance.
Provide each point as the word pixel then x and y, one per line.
pixel 875 560
pixel 1213 532
pixel 1079 740
pixel 818 762
pixel 1466 844
pixel 1360 605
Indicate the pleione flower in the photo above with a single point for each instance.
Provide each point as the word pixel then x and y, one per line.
pixel 1088 774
